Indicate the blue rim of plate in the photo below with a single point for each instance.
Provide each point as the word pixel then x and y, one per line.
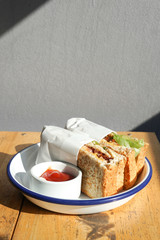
pixel 80 202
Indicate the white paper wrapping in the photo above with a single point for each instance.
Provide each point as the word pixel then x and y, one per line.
pixel 94 130
pixel 60 144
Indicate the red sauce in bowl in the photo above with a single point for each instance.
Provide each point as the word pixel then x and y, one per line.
pixel 56 176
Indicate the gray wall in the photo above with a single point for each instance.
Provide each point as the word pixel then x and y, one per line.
pixel 97 59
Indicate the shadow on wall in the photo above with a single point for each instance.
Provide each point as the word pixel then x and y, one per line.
pixel 12 12
pixel 151 125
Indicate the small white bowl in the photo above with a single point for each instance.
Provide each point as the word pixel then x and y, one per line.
pixel 70 189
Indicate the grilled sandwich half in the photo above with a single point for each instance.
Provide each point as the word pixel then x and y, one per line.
pixel 102 170
pixel 139 146
pixel 130 170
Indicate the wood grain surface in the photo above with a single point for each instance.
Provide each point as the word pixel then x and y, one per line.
pixel 21 219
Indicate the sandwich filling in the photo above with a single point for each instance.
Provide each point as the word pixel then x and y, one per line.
pixel 126 141
pixel 108 156
pixel 102 170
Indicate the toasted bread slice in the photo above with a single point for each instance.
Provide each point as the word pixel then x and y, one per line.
pixel 121 162
pixel 130 170
pixel 140 159
pixel 101 175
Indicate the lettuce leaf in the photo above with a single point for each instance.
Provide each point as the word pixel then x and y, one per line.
pixel 95 142
pixel 127 141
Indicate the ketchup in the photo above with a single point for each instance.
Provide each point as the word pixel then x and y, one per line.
pixel 56 176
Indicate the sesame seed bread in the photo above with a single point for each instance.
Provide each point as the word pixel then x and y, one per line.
pixel 130 169
pixel 102 171
pixel 140 159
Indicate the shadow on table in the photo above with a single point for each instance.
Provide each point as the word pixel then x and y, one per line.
pixel 10 196
pixel 22 146
pixel 100 225
pixel 152 125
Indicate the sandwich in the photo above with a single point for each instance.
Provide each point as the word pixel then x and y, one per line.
pixel 130 169
pixel 109 162
pixel 139 146
pixel 102 170
pixel 132 149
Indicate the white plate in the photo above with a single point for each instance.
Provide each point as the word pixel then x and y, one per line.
pixel 18 171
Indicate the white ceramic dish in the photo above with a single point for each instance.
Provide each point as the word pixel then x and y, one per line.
pixel 18 171
pixel 66 189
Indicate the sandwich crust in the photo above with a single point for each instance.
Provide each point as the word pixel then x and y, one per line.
pixel 140 159
pixel 130 169
pixel 102 171
pixel 107 168
pixel 121 162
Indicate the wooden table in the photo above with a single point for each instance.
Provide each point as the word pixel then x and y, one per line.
pixel 21 219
